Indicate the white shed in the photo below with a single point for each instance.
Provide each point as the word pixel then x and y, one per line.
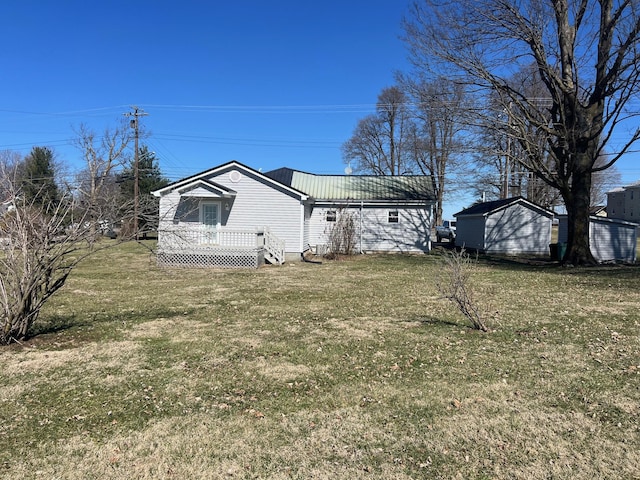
pixel 510 226
pixel 611 239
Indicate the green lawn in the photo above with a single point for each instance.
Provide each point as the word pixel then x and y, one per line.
pixel 349 369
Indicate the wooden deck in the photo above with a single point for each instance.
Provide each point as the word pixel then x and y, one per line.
pixel 194 247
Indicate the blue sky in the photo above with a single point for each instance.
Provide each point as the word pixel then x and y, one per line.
pixel 269 84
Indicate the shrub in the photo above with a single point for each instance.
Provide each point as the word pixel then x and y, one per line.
pixel 454 283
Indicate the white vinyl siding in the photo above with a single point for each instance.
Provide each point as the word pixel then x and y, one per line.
pixel 410 234
pixel 306 240
pixel 518 230
pixel 168 206
pixel 515 229
pixel 319 228
pixel 609 239
pixel 259 205
pixel 374 233
pixel 256 204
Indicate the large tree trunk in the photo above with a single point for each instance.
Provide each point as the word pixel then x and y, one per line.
pixel 577 201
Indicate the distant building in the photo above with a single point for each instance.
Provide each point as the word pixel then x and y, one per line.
pixel 624 203
pixel 598 210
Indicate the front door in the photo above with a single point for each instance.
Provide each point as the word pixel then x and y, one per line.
pixel 210 218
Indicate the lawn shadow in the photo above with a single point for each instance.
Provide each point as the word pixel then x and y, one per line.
pixel 547 264
pixel 429 320
pixel 56 324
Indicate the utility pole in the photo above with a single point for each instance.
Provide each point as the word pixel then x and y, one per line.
pixel 136 161
pixel 507 159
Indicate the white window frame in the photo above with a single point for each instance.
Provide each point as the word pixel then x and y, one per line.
pixel 393 216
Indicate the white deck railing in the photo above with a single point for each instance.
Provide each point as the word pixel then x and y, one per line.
pixel 274 247
pixel 185 240
pixel 180 237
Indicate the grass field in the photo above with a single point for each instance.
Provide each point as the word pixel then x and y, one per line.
pixel 349 369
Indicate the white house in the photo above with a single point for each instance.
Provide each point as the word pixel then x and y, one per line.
pixel 233 215
pixel 509 226
pixel 624 203
pixel 610 239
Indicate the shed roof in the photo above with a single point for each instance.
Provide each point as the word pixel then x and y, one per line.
pixel 410 188
pixel 596 218
pixel 487 208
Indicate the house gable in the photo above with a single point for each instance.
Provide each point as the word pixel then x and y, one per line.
pixel 489 208
pixel 229 167
pixel 242 198
pixel 205 189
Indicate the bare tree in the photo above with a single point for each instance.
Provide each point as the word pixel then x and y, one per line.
pixel 502 173
pixel 436 140
pixel 586 55
pixel 44 238
pixel 379 141
pixel 103 156
pixel 39 250
pixel 492 163
pixel 11 166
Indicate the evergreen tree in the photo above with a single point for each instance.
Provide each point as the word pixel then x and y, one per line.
pixel 38 184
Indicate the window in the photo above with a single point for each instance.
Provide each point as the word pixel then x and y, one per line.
pixel 330 216
pixel 393 216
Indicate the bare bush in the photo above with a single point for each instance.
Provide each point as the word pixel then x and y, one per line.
pixel 342 235
pixel 454 283
pixel 39 250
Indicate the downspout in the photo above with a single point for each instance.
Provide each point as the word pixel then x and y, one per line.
pixel 302 227
pixel 361 207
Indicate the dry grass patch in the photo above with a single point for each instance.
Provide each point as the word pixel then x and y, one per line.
pixel 529 443
pixel 179 328
pixel 350 369
pixel 122 356
pixel 204 447
pixel 279 370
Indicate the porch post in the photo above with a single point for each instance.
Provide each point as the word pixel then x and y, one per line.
pixel 259 237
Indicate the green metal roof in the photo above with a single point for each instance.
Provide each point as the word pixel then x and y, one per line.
pixel 357 187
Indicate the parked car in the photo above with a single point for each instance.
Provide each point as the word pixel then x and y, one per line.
pixel 446 230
